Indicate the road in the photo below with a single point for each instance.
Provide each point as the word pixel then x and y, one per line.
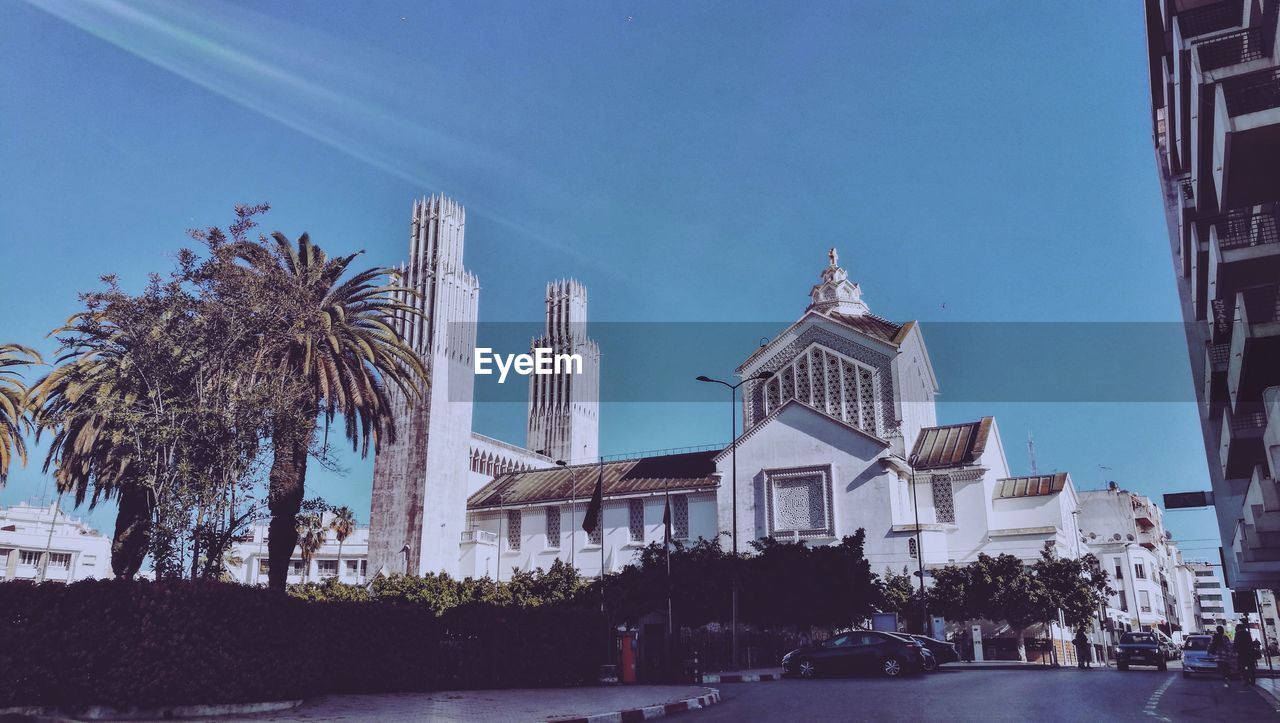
pixel 989 695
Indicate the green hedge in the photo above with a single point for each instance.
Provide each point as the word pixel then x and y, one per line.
pixel 146 644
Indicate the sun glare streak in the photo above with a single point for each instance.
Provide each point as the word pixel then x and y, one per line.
pixel 204 52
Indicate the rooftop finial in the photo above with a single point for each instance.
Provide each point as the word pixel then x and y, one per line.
pixel 833 256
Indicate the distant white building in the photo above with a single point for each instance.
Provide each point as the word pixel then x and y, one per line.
pixel 348 561
pixel 44 543
pixel 1154 588
pixel 1215 599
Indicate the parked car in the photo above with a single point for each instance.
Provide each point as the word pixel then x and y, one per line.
pixel 1196 658
pixel 869 651
pixel 942 651
pixel 1142 648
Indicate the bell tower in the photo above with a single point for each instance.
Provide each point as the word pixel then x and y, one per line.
pixel 564 408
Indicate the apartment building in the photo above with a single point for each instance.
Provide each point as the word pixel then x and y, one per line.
pixel 43 543
pixel 1153 586
pixel 1215 598
pixel 348 560
pixel 1215 92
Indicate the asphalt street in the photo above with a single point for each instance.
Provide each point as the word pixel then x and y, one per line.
pixel 1066 694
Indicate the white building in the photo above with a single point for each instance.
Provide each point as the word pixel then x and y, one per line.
pixel 1154 587
pixel 347 560
pixel 38 542
pixel 826 410
pixel 1215 599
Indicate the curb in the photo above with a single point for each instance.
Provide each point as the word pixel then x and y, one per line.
pixel 740 678
pixel 652 711
pixel 103 712
pixel 1269 696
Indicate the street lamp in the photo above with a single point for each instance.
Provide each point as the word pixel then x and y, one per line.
pixel 573 507
pixel 733 477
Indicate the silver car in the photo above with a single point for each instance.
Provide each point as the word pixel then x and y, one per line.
pixel 1196 658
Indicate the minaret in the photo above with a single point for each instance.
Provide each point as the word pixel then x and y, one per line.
pixel 564 409
pixel 419 501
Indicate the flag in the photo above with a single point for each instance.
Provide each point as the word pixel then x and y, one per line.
pixel 591 519
pixel 666 523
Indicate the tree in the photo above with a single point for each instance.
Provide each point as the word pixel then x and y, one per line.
pixel 329 347
pixel 1075 586
pixel 343 525
pixel 311 532
pixel 992 588
pixel 15 418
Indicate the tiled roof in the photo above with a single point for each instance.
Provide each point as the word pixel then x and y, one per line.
pixel 954 445
pixel 1034 486
pixel 648 474
pixel 869 324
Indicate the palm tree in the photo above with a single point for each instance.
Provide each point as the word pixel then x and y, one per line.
pixel 311 532
pixel 343 525
pixel 79 402
pixel 329 347
pixel 15 419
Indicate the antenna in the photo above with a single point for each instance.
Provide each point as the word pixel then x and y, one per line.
pixel 1031 453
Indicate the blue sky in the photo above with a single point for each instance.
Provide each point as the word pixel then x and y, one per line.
pixel 973 161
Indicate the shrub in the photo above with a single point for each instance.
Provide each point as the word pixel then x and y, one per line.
pixel 121 643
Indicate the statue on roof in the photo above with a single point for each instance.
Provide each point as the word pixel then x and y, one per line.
pixel 834 256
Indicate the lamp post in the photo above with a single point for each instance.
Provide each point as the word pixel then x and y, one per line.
pixel 924 605
pixel 573 508
pixel 733 484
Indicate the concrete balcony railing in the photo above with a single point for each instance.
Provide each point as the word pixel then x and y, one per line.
pixel 1215 379
pixel 1191 25
pixel 482 537
pixel 1254 361
pixel 1211 18
pixel 1240 448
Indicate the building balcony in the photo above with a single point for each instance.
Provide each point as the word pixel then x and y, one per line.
pixel 1244 250
pixel 1219 67
pixel 1241 446
pixel 1212 17
pixel 482 537
pixel 1215 378
pixel 1261 509
pixel 1271 435
pixel 1192 25
pixel 1246 140
pixel 1254 360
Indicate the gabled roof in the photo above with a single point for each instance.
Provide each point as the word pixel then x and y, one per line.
pixel 648 474
pixel 953 445
pixel 721 454
pixel 869 324
pixel 1032 486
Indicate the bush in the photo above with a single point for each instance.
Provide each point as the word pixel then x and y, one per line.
pixel 121 643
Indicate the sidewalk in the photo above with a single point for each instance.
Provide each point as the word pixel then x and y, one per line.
pixel 588 704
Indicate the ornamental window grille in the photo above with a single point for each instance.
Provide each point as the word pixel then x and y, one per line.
pixel 829 382
pixel 799 502
pixel 513 529
pixel 635 520
pixel 553 528
pixel 944 504
pixel 912 550
pixel 597 535
pixel 680 517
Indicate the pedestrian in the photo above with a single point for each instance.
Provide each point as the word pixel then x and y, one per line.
pixel 1246 653
pixel 1220 648
pixel 1082 648
pixel 966 646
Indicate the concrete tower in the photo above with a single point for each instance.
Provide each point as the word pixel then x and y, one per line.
pixel 564 409
pixel 420 480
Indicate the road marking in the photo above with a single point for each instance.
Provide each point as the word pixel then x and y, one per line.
pixel 1154 701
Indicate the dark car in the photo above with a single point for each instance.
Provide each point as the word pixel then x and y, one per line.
pixel 866 651
pixel 943 652
pixel 1137 648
